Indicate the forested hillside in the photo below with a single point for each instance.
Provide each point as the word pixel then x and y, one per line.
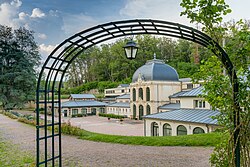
pixel 108 62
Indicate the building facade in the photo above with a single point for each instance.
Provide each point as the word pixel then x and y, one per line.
pixel 115 92
pixel 168 105
pixel 121 106
pixel 151 86
pixel 180 122
pixel 80 105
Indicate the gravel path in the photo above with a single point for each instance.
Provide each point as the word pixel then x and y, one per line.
pixel 83 153
pixel 113 126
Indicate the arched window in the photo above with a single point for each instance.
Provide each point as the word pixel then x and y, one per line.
pixel 134 111
pixel 181 130
pixel 167 130
pixel 134 95
pixel 141 93
pixel 147 94
pixel 148 109
pixel 140 112
pixel 154 129
pixel 198 130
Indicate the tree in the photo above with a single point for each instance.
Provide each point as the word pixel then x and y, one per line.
pixel 18 58
pixel 218 87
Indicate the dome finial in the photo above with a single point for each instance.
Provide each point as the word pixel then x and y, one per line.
pixel 154 56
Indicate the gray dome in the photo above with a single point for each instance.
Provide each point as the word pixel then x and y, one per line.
pixel 155 70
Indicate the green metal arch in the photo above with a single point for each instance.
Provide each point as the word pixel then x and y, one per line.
pixel 62 56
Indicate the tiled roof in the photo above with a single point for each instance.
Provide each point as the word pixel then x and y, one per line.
pixel 82 103
pixel 82 96
pixel 194 92
pixel 191 93
pixel 202 116
pixel 177 94
pixel 108 99
pixel 185 79
pixel 170 106
pixel 155 70
pixel 119 104
pixel 125 96
pixel 124 85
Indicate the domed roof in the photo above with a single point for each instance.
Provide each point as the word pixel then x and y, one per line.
pixel 155 70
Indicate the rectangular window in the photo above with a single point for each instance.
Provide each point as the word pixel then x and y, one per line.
pixel 196 103
pixel 199 104
pixel 189 86
pixel 74 111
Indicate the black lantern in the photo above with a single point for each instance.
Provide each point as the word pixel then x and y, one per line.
pixel 130 49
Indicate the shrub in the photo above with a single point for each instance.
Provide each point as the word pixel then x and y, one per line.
pixel 27 121
pixel 15 113
pixel 219 158
pixel 79 115
pixel 29 117
pixel 9 114
pixel 41 109
pixel 73 116
pixel 111 116
pixel 66 128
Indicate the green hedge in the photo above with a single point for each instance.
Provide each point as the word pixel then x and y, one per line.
pixel 77 115
pixel 111 116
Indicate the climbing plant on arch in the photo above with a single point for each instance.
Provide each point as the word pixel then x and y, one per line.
pixel 48 143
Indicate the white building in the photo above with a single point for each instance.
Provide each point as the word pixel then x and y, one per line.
pixel 168 105
pixel 121 106
pixel 80 105
pixel 192 115
pixel 114 92
pixel 180 122
pixel 151 86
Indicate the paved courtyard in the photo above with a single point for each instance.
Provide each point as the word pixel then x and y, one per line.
pixel 113 126
pixel 98 124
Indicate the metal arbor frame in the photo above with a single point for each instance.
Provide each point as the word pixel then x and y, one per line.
pixel 48 88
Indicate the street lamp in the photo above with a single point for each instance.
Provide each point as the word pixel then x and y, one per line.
pixel 130 49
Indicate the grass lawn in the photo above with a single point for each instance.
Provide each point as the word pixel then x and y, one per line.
pixel 209 139
pixel 10 156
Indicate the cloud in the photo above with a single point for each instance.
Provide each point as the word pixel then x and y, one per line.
pixel 75 23
pixel 16 3
pixel 11 16
pixel 46 49
pixel 23 16
pixel 9 12
pixel 42 36
pixel 37 13
pixel 156 9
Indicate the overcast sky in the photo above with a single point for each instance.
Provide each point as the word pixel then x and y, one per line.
pixel 55 20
